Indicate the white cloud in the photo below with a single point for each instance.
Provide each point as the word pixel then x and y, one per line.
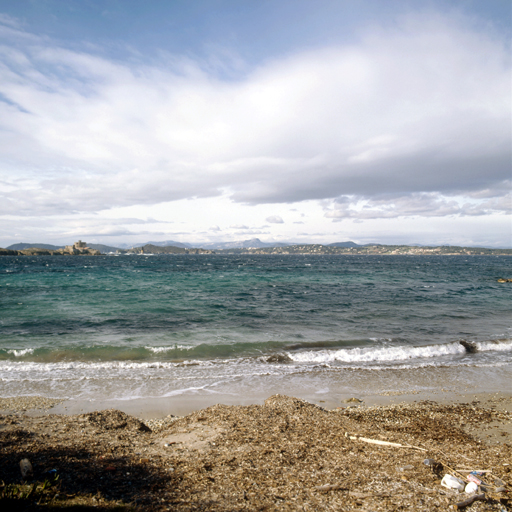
pixel 275 219
pixel 408 122
pixel 423 108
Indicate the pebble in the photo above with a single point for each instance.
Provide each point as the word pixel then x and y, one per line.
pixel 26 468
pixel 156 424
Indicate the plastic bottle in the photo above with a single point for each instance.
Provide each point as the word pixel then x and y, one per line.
pixel 451 482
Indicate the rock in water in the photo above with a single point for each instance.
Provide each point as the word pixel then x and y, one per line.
pixel 471 348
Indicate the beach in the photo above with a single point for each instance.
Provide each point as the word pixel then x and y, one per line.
pixel 247 383
pixel 283 454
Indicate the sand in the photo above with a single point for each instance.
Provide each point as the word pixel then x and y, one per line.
pixel 282 454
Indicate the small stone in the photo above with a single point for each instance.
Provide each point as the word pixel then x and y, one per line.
pixel 26 468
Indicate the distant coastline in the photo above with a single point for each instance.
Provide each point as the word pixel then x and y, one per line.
pixel 81 249
pixel 384 250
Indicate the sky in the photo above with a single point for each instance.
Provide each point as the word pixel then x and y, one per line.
pixel 308 121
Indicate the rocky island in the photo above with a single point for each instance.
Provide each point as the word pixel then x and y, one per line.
pixel 77 249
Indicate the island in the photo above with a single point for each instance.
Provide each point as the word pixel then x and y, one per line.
pixel 77 249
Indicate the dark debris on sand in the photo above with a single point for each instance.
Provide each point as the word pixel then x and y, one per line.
pixel 287 454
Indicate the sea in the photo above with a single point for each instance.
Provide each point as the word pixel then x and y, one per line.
pixel 247 326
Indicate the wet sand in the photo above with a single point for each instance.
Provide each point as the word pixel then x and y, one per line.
pixel 281 454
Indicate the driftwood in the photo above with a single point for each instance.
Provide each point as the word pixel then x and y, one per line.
pixel 383 443
pixel 477 470
pixel 362 495
pixel 467 502
pixel 330 487
pixel 455 471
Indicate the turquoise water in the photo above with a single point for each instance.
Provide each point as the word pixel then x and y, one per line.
pixel 116 325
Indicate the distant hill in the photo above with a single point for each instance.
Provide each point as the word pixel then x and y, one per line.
pixel 154 249
pixel 23 246
pixel 104 249
pixel 344 244
pixel 253 243
pixel 166 243
pixel 170 243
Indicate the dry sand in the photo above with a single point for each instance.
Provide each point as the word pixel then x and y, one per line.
pixel 285 454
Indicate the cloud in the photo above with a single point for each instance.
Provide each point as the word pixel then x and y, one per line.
pixel 16 228
pixel 419 112
pixel 9 21
pixel 275 219
pixel 415 205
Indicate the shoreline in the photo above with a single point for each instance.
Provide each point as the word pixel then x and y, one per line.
pixel 326 387
pixel 155 409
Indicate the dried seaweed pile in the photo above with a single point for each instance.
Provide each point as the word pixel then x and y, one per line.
pixel 284 455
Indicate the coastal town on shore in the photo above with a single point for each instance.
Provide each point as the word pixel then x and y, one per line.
pixel 346 248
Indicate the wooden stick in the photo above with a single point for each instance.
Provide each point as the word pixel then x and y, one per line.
pixel 362 495
pixel 454 471
pixel 467 502
pixel 383 443
pixel 330 487
pixel 477 470
pixel 458 455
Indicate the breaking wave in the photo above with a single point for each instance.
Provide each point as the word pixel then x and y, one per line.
pixel 399 353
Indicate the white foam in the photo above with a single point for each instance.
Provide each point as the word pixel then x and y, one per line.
pixel 30 366
pixel 367 355
pixel 22 352
pixel 159 350
pixel 190 391
pixel 494 346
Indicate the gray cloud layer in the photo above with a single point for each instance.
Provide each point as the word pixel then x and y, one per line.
pixel 417 204
pixel 419 113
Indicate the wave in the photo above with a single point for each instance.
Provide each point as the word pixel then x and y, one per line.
pixel 160 350
pixel 399 353
pixel 21 352
pixel 354 351
pixel 172 352
pixel 494 346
